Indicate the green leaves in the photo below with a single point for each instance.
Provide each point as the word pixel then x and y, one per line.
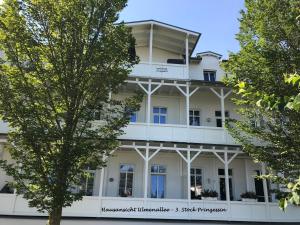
pixel 293 79
pixel 293 196
pixel 293 102
pixel 283 203
pixel 268 98
pixel 61 60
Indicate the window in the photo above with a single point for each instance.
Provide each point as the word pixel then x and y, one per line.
pixel 221 173
pixel 196 183
pixel 158 181
pixel 86 183
pixel 126 180
pixel 133 117
pixel 194 117
pixel 209 76
pixel 259 187
pixel 218 116
pixel 160 115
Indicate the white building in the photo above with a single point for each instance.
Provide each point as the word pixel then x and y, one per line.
pixel 175 146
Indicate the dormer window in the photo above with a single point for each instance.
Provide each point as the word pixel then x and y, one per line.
pixel 209 76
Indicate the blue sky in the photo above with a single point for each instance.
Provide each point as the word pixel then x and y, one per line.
pixel 217 20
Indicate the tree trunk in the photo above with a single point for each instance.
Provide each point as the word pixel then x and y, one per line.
pixel 55 216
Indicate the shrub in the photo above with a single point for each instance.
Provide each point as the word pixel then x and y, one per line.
pixel 249 194
pixel 209 193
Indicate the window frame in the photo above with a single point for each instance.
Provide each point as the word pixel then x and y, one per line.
pixel 165 180
pixel 193 109
pixel 195 179
pixel 126 174
pixel 230 176
pixel 83 186
pixel 159 114
pixel 210 72
pixel 93 172
pixel 227 115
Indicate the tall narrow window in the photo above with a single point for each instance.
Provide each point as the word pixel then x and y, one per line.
pixel 194 117
pixel 209 76
pixel 221 173
pixel 158 181
pixel 126 180
pixel 160 115
pixel 259 187
pixel 86 183
pixel 196 183
pixel 218 116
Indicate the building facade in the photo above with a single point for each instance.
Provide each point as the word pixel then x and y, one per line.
pixel 176 160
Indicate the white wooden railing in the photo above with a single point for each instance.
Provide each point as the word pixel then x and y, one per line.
pixel 94 206
pixel 160 70
pixel 178 133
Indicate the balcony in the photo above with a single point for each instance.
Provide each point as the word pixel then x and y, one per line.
pixel 94 206
pixel 178 133
pixel 160 70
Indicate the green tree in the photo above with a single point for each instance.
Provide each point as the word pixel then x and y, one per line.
pixel 268 130
pixel 61 60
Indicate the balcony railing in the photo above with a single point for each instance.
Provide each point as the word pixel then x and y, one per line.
pixel 160 70
pixel 178 133
pixel 94 206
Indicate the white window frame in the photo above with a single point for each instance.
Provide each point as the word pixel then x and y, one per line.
pixel 83 186
pixel 195 177
pixel 193 109
pixel 92 173
pixel 229 176
pixel 127 172
pixel 220 117
pixel 158 173
pixel 160 114
pixel 210 71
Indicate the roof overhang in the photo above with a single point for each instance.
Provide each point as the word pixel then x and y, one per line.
pixel 209 53
pixel 165 36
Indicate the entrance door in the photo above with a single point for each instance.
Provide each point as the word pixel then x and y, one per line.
pixel 223 188
pixel 221 173
pixel 259 187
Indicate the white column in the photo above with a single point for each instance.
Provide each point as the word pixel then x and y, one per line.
pixel 149 103
pixel 187 53
pixel 265 186
pixel 222 107
pixel 101 182
pixel 247 175
pixel 189 174
pixel 187 96
pixel 151 44
pixel 101 188
pixel 146 163
pixel 226 177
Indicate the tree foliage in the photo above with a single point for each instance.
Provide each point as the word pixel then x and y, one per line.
pixel 269 129
pixel 61 60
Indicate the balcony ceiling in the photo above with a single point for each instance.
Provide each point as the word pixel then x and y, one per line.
pixel 165 36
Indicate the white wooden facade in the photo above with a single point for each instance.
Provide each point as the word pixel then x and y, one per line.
pixel 175 145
